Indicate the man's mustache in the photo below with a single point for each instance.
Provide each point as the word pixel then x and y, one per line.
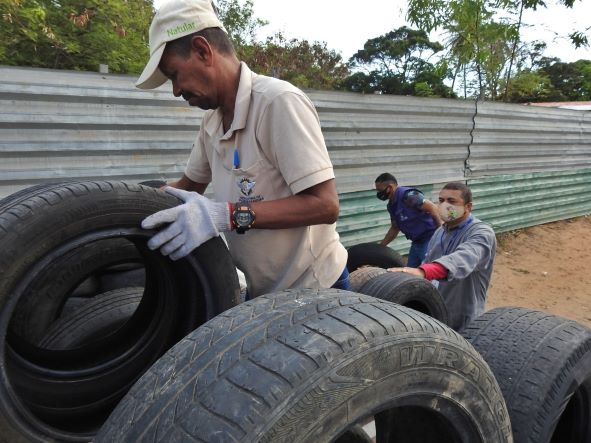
pixel 187 95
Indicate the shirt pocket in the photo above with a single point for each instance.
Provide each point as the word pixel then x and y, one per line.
pixel 248 182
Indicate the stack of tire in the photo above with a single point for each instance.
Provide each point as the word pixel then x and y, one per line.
pixel 306 366
pixel 367 264
pixel 178 359
pixel 86 308
pixel 542 362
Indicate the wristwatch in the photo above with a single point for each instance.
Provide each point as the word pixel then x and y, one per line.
pixel 243 217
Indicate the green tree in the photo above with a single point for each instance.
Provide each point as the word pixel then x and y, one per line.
pixel 530 86
pixel 572 81
pixel 494 55
pixel 476 42
pixel 239 20
pixel 517 7
pixel 75 34
pixel 304 64
pixel 395 62
pixel 552 80
pixel 476 35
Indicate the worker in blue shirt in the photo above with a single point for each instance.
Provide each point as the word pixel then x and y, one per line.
pixel 410 213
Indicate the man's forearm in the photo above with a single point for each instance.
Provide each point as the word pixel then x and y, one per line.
pixel 432 209
pixel 314 206
pixel 187 184
pixel 390 235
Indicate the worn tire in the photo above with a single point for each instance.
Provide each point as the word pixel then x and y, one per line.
pixel 47 295
pixel 373 254
pixel 65 395
pixel 94 319
pixel 408 290
pixel 153 183
pixel 80 273
pixel 25 193
pixel 355 434
pixel 306 366
pixel 362 275
pixel 542 363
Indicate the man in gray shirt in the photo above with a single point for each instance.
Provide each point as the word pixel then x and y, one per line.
pixel 460 256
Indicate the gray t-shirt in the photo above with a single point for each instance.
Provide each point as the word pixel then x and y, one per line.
pixel 468 253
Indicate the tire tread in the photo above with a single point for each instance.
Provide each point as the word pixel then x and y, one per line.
pixel 277 333
pixel 532 354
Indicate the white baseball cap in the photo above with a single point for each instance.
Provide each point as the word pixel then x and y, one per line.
pixel 174 19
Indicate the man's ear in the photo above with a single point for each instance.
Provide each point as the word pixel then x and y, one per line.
pixel 469 207
pixel 202 48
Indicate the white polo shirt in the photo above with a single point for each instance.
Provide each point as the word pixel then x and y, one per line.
pixel 276 134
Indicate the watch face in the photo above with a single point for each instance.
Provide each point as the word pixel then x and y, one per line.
pixel 243 218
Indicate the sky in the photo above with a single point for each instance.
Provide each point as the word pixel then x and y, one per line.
pixel 345 25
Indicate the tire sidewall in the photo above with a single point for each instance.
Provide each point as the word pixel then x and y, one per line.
pixel 49 219
pixel 474 393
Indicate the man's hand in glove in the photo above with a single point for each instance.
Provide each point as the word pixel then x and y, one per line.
pixel 189 225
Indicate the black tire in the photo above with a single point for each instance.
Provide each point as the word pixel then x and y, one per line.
pixel 66 395
pixel 355 435
pixel 153 183
pixel 121 276
pixel 83 272
pixel 543 365
pixel 410 291
pixel 92 320
pixel 362 275
pixel 373 254
pixel 64 275
pixel 306 366
pixel 18 196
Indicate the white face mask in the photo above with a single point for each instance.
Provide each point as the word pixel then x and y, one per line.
pixel 449 212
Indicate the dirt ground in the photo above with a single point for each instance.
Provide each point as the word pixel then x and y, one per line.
pixel 545 268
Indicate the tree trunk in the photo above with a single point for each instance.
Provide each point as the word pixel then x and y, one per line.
pixel 513 54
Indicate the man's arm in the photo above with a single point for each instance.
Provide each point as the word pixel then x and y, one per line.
pixel 429 271
pixel 431 208
pixel 390 235
pixel 415 199
pixel 316 205
pixel 187 184
pixel 477 248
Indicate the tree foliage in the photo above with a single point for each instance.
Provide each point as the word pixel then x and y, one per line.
pixel 75 34
pixel 552 80
pixel 571 81
pixel 479 42
pixel 494 54
pixel 304 64
pixel 239 20
pixel 397 63
pixel 530 86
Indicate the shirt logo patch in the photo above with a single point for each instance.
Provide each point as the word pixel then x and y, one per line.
pixel 246 186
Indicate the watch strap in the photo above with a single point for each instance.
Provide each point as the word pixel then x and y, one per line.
pixel 239 217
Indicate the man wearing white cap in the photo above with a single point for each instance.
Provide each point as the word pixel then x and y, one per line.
pixel 261 147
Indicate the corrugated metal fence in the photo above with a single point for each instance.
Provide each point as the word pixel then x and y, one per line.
pixel 526 165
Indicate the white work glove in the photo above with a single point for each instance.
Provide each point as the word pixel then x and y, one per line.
pixel 191 224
